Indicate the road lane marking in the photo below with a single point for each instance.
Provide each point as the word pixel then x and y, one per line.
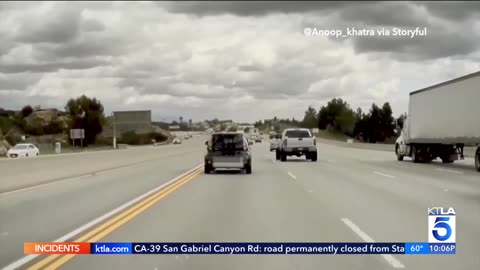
pixel 274 161
pixel 446 170
pixel 292 175
pixel 365 237
pixel 3 233
pixel 386 175
pixel 26 259
pixel 101 232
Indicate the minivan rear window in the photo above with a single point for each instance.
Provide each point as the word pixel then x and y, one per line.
pixel 222 142
pixel 297 134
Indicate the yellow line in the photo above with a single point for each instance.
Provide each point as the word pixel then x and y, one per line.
pixel 125 216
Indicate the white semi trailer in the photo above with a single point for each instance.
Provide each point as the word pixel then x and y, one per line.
pixel 441 120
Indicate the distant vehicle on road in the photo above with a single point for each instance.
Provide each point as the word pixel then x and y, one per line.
pixel 23 150
pixel 297 142
pixel 274 141
pixel 177 141
pixel 442 119
pixel 228 150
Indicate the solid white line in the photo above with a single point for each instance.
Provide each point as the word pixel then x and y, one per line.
pixel 291 175
pixel 386 175
pixel 94 222
pixel 446 170
pixel 274 161
pixel 365 237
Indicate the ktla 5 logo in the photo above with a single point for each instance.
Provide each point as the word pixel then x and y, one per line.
pixel 441 225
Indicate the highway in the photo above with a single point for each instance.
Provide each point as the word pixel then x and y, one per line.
pixel 349 195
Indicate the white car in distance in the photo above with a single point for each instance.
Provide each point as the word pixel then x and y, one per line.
pixel 23 150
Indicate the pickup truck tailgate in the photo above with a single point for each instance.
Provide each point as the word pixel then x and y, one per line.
pixel 300 142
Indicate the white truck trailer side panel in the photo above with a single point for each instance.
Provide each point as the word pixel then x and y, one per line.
pixel 447 113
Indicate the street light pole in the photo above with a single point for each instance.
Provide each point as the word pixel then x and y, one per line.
pixel 114 131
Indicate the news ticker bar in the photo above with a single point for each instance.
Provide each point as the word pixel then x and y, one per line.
pixel 411 248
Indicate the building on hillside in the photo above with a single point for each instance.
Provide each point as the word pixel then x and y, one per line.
pixel 137 121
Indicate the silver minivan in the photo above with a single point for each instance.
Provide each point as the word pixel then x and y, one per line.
pixel 228 150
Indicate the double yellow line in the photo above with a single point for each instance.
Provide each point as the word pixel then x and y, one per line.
pixel 55 261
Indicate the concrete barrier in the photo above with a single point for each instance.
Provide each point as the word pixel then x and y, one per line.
pixel 468 151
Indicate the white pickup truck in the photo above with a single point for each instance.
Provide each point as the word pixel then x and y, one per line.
pixel 297 142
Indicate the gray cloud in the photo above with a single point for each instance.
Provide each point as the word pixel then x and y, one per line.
pixel 229 56
pixel 438 43
pixel 52 27
pixel 52 66
pixel 91 25
pixel 385 14
pixel 18 81
pixel 253 8
pixel 453 10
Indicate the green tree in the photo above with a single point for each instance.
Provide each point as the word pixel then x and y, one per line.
pixel 277 128
pixel 233 129
pixel 222 127
pixel 246 130
pixel 387 122
pixel 401 120
pixel 310 119
pixel 26 111
pixel 337 115
pixel 88 114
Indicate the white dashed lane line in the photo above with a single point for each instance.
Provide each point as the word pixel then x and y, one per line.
pixel 450 171
pixel 385 175
pixel 365 237
pixel 292 175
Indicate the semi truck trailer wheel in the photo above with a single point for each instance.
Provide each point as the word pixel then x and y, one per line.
pixel 399 156
pixel 414 154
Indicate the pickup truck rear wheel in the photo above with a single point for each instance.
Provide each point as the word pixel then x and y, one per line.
pixel 283 156
pixel 313 156
pixel 248 169
pixel 277 155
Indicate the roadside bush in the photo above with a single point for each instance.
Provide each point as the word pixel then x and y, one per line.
pixel 103 141
pixel 13 140
pixel 5 124
pixel 53 128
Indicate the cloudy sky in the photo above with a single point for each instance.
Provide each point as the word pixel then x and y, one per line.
pixel 232 60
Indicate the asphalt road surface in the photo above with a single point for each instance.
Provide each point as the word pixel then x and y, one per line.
pixel 349 195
